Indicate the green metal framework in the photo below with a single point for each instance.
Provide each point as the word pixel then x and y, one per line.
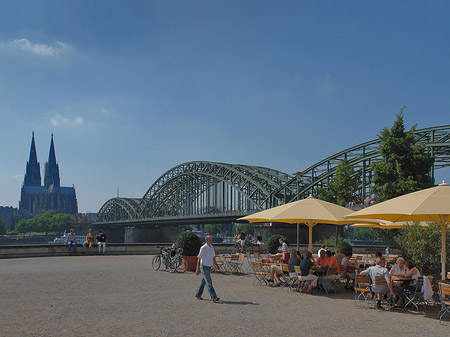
pixel 196 188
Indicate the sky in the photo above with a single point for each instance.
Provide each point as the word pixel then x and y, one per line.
pixel 130 89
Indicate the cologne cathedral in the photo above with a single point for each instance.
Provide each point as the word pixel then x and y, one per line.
pixel 36 199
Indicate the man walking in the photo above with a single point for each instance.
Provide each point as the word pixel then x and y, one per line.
pixel 205 260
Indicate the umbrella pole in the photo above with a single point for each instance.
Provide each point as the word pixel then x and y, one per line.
pixel 310 246
pixel 297 237
pixel 444 250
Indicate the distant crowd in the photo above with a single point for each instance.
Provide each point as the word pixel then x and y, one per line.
pixel 91 240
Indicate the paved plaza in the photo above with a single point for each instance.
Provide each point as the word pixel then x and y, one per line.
pixel 123 296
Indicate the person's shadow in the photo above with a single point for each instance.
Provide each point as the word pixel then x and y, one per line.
pixel 237 302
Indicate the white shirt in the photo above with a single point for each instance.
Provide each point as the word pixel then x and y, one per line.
pixel 206 255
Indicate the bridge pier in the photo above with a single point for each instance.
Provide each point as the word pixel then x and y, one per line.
pixel 152 234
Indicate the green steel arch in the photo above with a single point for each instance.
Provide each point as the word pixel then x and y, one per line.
pixel 209 187
pixel 119 209
pixel 435 139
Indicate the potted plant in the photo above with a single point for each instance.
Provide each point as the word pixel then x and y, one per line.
pixel 272 243
pixel 190 243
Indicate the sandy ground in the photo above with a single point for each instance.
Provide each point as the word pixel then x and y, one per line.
pixel 123 296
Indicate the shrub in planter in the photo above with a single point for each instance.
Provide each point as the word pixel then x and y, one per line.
pixel 345 247
pixel 191 244
pixel 273 243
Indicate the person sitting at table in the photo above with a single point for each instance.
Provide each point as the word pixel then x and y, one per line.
pixel 414 274
pixel 332 263
pixel 322 261
pixel 321 248
pixel 379 270
pixel 346 260
pixel 294 260
pixel 305 267
pixel 399 269
pixel 339 256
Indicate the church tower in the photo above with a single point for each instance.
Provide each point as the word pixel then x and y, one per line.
pixel 33 170
pixel 51 168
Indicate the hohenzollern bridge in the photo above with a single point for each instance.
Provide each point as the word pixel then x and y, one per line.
pixel 213 192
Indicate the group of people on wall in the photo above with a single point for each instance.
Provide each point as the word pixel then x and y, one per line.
pixel 91 240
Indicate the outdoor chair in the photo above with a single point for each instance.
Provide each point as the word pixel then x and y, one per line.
pixel 349 276
pixel 286 280
pixel 362 288
pixel 414 296
pixel 328 281
pixel 385 296
pixel 444 292
pixel 221 264
pixel 261 274
pixel 300 285
pixel 234 263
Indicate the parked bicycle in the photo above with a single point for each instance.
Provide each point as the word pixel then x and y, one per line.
pixel 170 260
pixel 162 257
pixel 177 263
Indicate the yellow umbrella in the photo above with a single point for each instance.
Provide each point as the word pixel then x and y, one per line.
pixel 310 211
pixel 430 205
pixel 385 224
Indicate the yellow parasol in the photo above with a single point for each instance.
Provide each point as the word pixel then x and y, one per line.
pixel 310 211
pixel 430 205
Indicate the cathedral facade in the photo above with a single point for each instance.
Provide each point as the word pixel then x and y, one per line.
pixel 36 199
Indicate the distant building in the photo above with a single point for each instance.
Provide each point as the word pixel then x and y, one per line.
pixel 7 213
pixel 36 199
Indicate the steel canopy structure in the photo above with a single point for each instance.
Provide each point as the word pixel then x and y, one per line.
pixel 201 187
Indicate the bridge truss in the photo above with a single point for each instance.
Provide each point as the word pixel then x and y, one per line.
pixel 197 188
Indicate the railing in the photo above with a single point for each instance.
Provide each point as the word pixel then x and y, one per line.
pixel 43 250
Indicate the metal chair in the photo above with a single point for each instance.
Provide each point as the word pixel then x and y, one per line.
pixel 362 288
pixel 261 274
pixel 414 296
pixel 444 294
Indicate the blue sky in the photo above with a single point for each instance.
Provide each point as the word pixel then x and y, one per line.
pixel 131 89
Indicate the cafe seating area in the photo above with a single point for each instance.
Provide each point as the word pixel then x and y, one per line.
pixel 347 282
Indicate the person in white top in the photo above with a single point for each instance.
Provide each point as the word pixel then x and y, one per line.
pixel 399 269
pixel 206 258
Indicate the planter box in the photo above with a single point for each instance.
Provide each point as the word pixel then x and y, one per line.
pixel 192 262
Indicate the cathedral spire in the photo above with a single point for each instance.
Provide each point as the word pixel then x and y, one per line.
pixel 51 168
pixel 33 169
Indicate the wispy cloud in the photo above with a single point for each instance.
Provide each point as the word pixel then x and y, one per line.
pixel 139 194
pixel 59 120
pixel 37 48
pixel 18 176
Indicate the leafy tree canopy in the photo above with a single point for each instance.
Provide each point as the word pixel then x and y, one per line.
pixel 47 222
pixel 423 246
pixel 342 188
pixel 213 229
pixel 405 166
pixel 247 228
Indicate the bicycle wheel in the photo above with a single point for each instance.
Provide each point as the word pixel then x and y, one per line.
pixel 156 262
pixel 182 265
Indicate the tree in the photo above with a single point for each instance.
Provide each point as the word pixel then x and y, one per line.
pixel 213 229
pixel 421 245
pixel 404 167
pixel 247 228
pixel 2 227
pixel 342 188
pixel 46 222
